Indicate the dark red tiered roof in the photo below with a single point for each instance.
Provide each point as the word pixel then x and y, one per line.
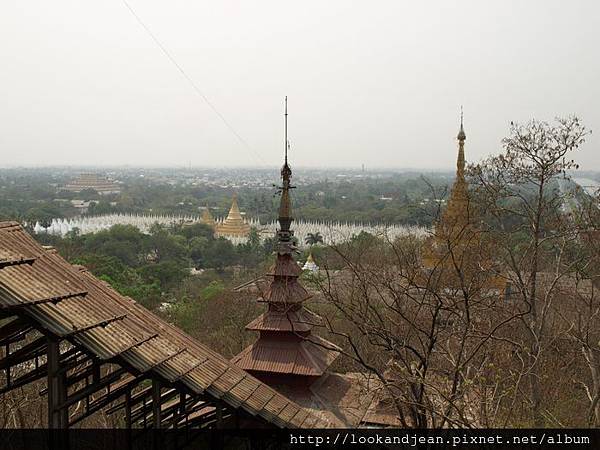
pixel 285 345
pixel 300 321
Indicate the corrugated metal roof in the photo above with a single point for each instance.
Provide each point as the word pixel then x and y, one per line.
pixel 129 332
pixel 299 320
pixel 297 357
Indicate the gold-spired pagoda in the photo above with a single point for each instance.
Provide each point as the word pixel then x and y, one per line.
pixel 234 225
pixel 286 351
pixel 459 243
pixel 457 217
pixel 455 231
pixel 207 218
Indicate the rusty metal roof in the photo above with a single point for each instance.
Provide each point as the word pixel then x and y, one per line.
pixel 71 303
pixel 299 320
pixel 308 357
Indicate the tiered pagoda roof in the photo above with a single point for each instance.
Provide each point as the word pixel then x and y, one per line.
pixel 234 225
pixel 94 182
pixel 286 349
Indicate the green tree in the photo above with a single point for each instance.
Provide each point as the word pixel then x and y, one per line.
pixel 313 238
pixel 220 254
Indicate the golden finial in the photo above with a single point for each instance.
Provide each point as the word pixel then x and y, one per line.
pixel 461 134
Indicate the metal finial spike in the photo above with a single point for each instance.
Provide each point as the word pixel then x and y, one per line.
pixel 286 143
pixel 461 116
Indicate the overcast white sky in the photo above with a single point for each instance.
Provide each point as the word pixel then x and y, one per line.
pixel 378 83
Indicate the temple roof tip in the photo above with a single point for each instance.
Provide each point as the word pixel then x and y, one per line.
pixel 461 134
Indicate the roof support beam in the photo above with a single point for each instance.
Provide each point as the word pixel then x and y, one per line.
pixel 16 262
pixel 25 353
pixel 165 359
pixel 92 388
pixel 23 380
pixel 40 301
pixel 110 397
pixel 58 414
pixel 67 362
pixel 13 329
pixel 128 422
pixel 102 323
pixel 143 412
pixel 156 402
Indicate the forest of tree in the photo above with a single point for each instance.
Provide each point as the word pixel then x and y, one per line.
pixel 36 196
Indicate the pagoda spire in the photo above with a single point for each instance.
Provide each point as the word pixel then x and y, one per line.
pixel 284 234
pixel 286 350
pixel 456 214
pixel 460 162
pixel 455 223
pixel 458 205
pixel 458 242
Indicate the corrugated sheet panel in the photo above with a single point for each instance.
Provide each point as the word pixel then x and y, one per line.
pixel 294 358
pixel 300 320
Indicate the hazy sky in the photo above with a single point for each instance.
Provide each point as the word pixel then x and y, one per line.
pixel 378 83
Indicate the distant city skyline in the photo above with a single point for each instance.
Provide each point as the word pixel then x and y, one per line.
pixel 379 84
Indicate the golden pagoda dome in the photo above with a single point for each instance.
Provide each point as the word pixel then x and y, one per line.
pixel 234 225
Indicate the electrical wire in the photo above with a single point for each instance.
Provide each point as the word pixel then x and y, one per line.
pixel 192 83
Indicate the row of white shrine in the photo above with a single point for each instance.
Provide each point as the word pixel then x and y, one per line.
pixel 331 232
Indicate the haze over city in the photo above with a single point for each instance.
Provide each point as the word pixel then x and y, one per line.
pixel 380 84
pixel 410 257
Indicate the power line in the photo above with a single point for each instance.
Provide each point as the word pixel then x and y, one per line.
pixel 192 83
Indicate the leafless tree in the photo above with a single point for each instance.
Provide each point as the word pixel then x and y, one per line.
pixel 427 333
pixel 524 201
pixel 458 329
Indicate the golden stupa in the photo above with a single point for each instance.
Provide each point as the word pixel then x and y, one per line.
pixel 234 225
pixel 207 218
pixel 458 248
pixel 456 223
